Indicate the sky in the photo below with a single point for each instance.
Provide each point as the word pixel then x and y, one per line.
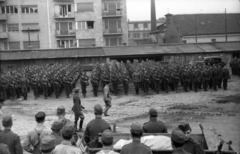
pixel 140 9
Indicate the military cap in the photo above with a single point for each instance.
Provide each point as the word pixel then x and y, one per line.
pixel 76 89
pixel 98 109
pixel 178 136
pixel 48 143
pixel 153 112
pixel 184 127
pixel 136 127
pixel 57 125
pixel 61 110
pixel 7 121
pixel 107 136
pixel 68 129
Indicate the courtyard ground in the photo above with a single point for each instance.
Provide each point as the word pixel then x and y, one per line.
pixel 218 111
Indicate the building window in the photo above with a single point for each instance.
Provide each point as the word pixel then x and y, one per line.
pixel 86 42
pixel 146 35
pixel 9 9
pixel 84 7
pixel 106 25
pixel 105 7
pixel 66 43
pixel 64 26
pixel 129 35
pixel 135 26
pixel 145 26
pixel 33 44
pixel 113 41
pixel 118 6
pixel 119 24
pixel 12 27
pixel 29 9
pixel 136 35
pixel 30 26
pixel 85 25
pixel 12 45
pixel 64 9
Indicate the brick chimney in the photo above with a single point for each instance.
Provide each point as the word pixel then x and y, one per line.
pixel 153 16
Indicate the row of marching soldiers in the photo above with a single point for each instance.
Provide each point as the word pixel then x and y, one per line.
pixel 153 75
pixel 44 80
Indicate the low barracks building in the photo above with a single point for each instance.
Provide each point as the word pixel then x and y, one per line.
pixel 88 57
pixel 52 24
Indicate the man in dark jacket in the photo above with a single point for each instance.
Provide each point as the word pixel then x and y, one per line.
pixel 4 149
pixel 225 76
pixel 77 109
pixel 9 138
pixel 154 126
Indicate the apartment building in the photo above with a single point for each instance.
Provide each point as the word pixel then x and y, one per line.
pixel 50 24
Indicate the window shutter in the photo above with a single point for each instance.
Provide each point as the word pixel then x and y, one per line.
pixel 13 27
pixel 14 45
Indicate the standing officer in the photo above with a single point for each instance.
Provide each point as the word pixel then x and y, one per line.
pixel 175 77
pixel 84 83
pixel 24 86
pixel 45 86
pixel 154 126
pixel 56 86
pixel 95 83
pixel 125 82
pixel 165 80
pixel 107 98
pixel 136 81
pixel 156 81
pixel 67 85
pixel 225 76
pixel 114 81
pixel 186 79
pixel 215 77
pixel 205 78
pixel 34 84
pixel 77 109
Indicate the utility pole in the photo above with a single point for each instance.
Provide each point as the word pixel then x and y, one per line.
pixel 196 28
pixel 38 41
pixel 29 44
pixel 226 24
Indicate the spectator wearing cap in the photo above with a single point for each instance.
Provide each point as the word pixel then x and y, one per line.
pixel 9 138
pixel 136 147
pixel 94 127
pixel 107 141
pixel 190 145
pixel 56 131
pixel 66 147
pixel 48 144
pixel 1 114
pixel 61 115
pixel 153 125
pixel 4 149
pixel 33 137
pixel 178 139
pixel 77 109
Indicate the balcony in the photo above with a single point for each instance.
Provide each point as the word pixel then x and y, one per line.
pixel 112 32
pixel 65 33
pixel 70 15
pixel 112 14
pixel 3 35
pixel 3 17
pixel 30 28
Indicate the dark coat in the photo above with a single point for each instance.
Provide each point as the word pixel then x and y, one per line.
pixel 154 126
pixel 77 107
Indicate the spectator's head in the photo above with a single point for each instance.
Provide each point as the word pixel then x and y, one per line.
pixel 48 144
pixel 40 117
pixel 178 138
pixel 7 121
pixel 76 90
pixel 61 111
pixel 185 127
pixel 153 112
pixel 98 110
pixel 136 130
pixel 68 131
pixel 57 125
pixel 107 138
pixel 1 102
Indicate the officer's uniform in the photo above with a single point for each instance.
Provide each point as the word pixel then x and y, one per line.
pixel 84 84
pixel 226 76
pixel 136 81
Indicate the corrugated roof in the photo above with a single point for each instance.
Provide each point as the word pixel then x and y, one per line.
pixel 229 46
pixel 207 24
pixel 209 47
pixel 43 54
pixel 36 54
pixel 4 55
pixel 172 49
pixel 27 55
pixel 189 48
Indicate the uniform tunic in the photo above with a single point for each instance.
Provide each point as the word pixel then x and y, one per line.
pixel 154 126
pixel 193 147
pixel 136 147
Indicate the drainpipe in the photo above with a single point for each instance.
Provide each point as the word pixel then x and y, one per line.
pixel 49 28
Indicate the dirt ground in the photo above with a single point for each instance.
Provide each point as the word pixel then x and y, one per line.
pixel 218 111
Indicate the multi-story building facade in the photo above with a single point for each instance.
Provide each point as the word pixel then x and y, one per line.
pixel 50 24
pixel 139 31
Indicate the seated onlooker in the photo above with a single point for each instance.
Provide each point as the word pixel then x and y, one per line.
pixel 154 126
pixel 61 115
pixel 33 138
pixel 48 144
pixel 185 127
pixel 107 141
pixel 136 147
pixel 178 139
pixel 66 147
pixel 9 138
pixel 94 127
pixel 4 149
pixel 56 131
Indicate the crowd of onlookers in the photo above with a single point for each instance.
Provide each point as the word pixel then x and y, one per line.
pixel 63 138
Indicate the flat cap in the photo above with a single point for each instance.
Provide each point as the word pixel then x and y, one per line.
pixel 48 143
pixel 57 125
pixel 136 127
pixel 7 121
pixel 178 136
pixel 153 112
pixel 68 129
pixel 98 109
pixel 61 110
pixel 184 127
pixel 107 136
